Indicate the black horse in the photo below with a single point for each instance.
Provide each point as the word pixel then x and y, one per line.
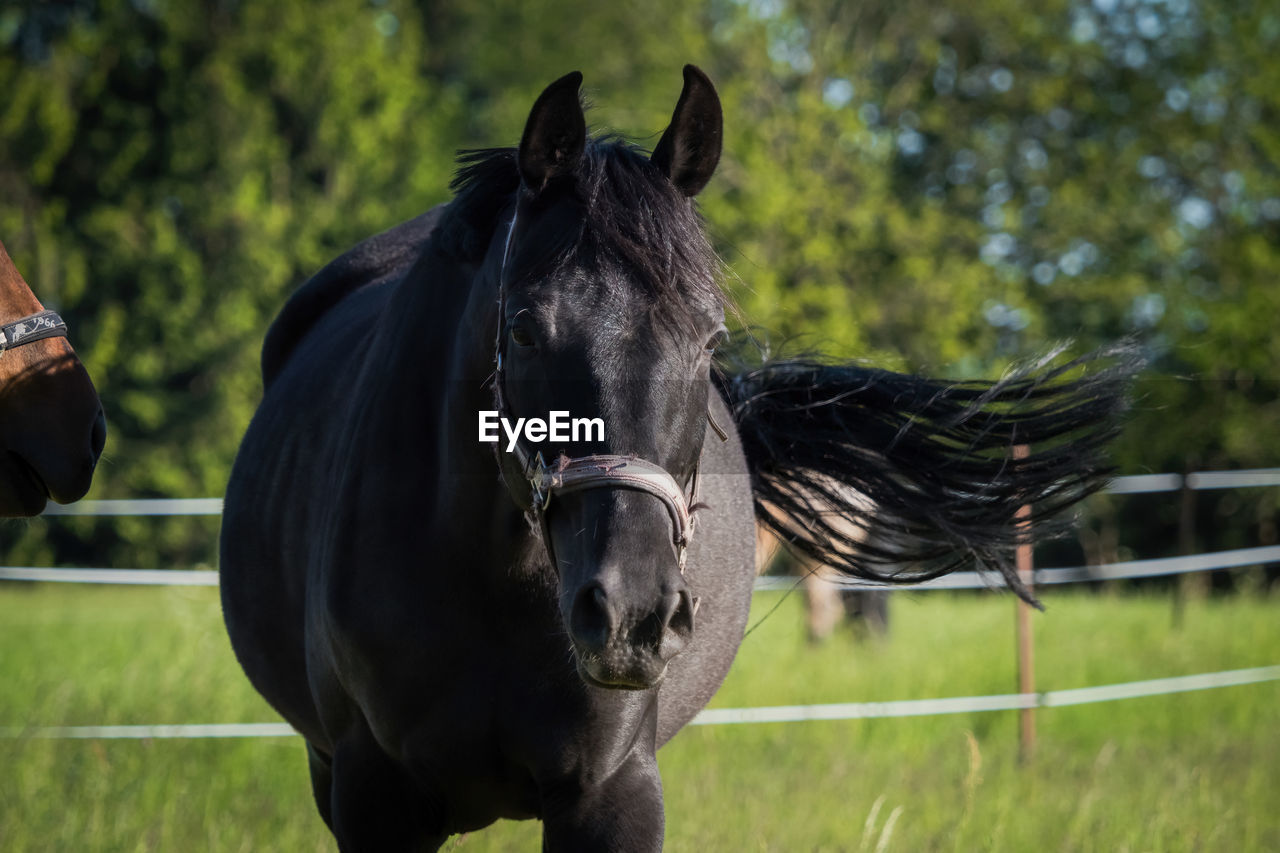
pixel 465 631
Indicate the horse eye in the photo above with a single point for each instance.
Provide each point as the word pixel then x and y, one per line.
pixel 521 329
pixel 714 342
pixel 521 336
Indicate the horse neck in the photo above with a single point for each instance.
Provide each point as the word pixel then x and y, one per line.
pixel 432 366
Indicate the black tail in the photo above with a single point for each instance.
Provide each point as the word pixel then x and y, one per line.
pixel 834 448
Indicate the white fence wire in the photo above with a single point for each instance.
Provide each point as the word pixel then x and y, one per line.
pixel 1129 485
pixel 1138 484
pixel 1134 484
pixel 152 506
pixel 739 716
pixel 959 580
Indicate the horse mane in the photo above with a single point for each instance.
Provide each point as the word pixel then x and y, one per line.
pixel 633 218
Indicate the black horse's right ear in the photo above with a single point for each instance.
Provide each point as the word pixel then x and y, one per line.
pixel 690 149
pixel 554 135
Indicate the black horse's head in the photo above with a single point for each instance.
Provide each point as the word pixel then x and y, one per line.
pixel 610 311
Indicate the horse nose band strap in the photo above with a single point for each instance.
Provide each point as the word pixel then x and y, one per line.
pixel 32 328
pixel 581 473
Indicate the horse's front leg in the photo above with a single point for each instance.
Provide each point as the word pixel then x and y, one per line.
pixel 376 806
pixel 622 812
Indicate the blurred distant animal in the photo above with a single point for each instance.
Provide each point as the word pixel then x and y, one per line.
pixel 52 428
pixel 826 603
pixel 465 631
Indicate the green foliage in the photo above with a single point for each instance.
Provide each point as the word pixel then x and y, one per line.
pixel 940 189
pixel 176 174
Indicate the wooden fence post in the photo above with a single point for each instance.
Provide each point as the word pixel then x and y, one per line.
pixel 1026 650
pixel 1192 585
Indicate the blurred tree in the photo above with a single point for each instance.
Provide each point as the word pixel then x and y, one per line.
pixel 957 187
pixel 169 174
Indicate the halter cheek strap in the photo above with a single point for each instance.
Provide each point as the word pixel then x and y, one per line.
pixel 32 328
pixel 576 474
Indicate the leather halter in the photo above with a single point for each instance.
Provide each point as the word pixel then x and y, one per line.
pixel 32 328
pixel 568 474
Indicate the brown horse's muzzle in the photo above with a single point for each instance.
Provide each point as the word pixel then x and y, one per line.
pixel 52 429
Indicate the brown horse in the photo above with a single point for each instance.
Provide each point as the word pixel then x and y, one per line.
pixel 51 424
pixel 825 603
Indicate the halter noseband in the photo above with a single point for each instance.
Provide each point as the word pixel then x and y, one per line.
pixel 32 328
pixel 579 473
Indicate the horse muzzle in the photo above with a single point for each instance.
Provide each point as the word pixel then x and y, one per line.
pixel 623 647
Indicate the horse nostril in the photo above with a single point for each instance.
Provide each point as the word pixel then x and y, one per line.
pixel 98 436
pixel 592 620
pixel 677 623
pixel 682 619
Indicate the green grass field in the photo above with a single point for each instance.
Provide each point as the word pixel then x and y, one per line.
pixel 1197 771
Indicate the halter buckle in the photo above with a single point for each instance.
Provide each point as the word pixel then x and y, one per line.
pixel 539 482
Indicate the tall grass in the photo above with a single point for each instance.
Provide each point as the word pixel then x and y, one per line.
pixel 1187 772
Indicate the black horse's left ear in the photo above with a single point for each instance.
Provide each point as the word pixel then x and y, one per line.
pixel 690 149
pixel 555 134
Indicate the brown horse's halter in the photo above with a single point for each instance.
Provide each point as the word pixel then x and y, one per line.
pixel 32 328
pixel 579 473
